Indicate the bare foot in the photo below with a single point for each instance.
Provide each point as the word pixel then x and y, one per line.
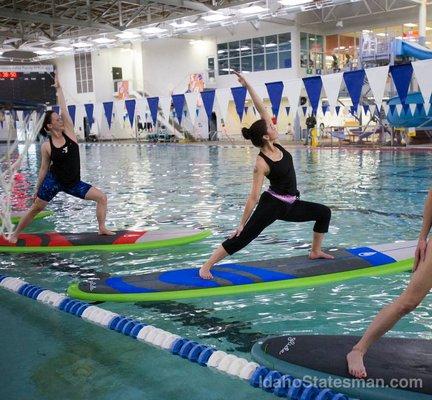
pixel 355 364
pixel 320 254
pixel 12 238
pixel 205 273
pixel 107 232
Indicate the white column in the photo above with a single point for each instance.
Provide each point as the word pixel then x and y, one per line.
pixel 422 22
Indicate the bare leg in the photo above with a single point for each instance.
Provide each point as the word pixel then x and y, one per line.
pixel 219 254
pixel 101 209
pixel 316 251
pixel 416 291
pixel 35 209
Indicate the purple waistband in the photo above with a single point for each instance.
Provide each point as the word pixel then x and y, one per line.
pixel 287 198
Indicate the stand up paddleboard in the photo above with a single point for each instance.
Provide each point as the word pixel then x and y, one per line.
pixel 398 369
pixel 53 242
pixel 256 276
pixel 17 215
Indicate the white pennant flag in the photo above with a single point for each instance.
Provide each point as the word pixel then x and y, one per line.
pixel 99 116
pixel 426 108
pixel 385 107
pixel 165 106
pixel 422 71
pixel 291 91
pixel 398 109
pixel 372 109
pixel 413 107
pixel 119 111
pixel 223 97
pixel 191 102
pixel 141 107
pixel 261 91
pixel 377 78
pixel 332 84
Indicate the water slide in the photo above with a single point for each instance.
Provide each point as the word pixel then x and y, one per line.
pixel 406 119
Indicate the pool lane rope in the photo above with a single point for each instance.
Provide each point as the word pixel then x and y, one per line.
pixel 257 375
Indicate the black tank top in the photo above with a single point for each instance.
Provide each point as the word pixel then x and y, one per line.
pixel 65 162
pixel 282 174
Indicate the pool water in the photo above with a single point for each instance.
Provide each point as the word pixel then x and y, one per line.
pixel 375 197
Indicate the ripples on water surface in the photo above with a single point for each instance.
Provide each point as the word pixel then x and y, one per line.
pixel 376 197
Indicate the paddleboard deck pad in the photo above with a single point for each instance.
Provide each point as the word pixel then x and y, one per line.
pixel 252 276
pixel 121 241
pixel 392 364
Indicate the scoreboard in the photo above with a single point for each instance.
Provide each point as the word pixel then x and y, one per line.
pixel 27 83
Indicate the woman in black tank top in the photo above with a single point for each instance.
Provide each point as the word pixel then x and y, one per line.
pixel 60 169
pixel 282 199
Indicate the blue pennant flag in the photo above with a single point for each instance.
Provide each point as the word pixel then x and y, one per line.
pixel 304 111
pixel 402 75
pixel 72 112
pixel 365 108
pixel 246 110
pixel 108 109
pixel 26 115
pixel 153 103
pixel 208 97
pixel 325 109
pixel 353 110
pixel 354 83
pixel 239 95
pixel 392 108
pixel 313 87
pixel 406 109
pixel 130 107
pixel 337 109
pixel 56 109
pixel 178 101
pixel 89 108
pixel 287 109
pixel 197 112
pixel 420 109
pixel 274 90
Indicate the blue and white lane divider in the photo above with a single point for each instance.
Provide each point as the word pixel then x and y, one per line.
pixel 258 376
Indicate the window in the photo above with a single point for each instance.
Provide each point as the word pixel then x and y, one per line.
pixel 83 72
pixel 256 54
pixel 311 51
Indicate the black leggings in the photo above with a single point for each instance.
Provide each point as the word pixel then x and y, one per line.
pixel 269 209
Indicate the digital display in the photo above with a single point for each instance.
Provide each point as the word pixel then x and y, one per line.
pixel 8 74
pixel 27 86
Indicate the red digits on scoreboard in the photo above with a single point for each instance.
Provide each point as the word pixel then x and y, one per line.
pixel 8 75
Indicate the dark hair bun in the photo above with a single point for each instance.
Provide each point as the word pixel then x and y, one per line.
pixel 246 133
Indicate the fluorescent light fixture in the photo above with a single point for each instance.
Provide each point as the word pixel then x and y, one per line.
pixel 183 24
pixel 244 48
pixel 269 45
pixel 366 31
pixel 428 28
pixel 252 10
pixel 81 45
pixel 128 35
pixel 43 52
pixel 292 3
pixel 216 17
pixel 61 48
pixel 410 25
pixel 428 43
pixel 222 51
pixel 196 42
pixel 382 34
pixel 153 30
pixel 103 40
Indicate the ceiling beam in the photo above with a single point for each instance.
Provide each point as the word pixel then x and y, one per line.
pixel 47 19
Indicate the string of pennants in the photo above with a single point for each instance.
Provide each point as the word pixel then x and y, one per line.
pixel 315 87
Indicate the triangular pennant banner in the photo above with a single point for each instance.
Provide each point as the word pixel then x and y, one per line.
pixel 223 97
pixel 353 110
pixel 153 103
pixel 208 97
pixel 426 107
pixel 165 105
pixel 313 87
pixel 377 78
pixel 305 109
pixel 385 108
pixel 72 112
pixel 372 109
pixel 354 83
pixel 413 107
pixel 422 70
pixel 420 108
pixel 191 103
pixel 398 109
pixel 337 109
pixel 324 109
pixel 292 90
pixel 108 110
pixel 89 109
pixel 392 108
pixel 406 108
pixel 239 96
pixel 365 108
pixel 56 109
pixel 402 75
pixel 287 109
pixel 178 101
pixel 130 107
pixel 275 90
pixel 332 84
